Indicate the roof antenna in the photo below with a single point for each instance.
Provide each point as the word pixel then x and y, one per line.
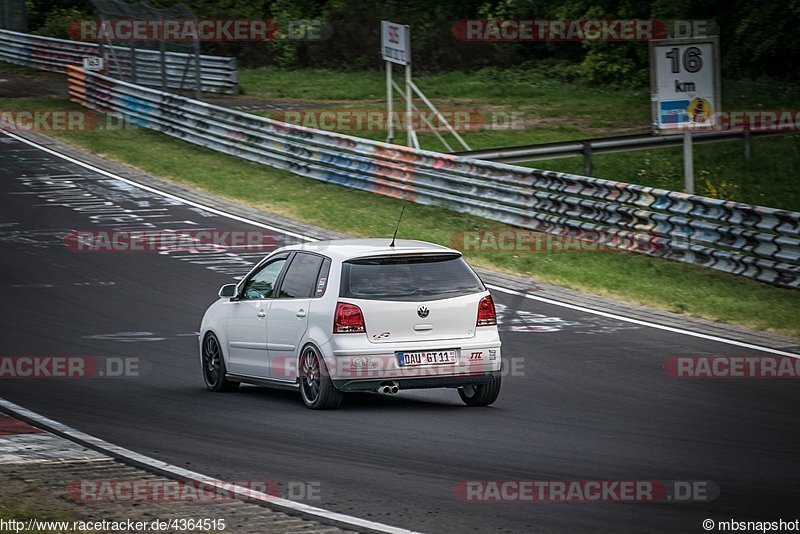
pixel 396 228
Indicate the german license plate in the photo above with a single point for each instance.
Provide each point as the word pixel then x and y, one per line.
pixel 431 357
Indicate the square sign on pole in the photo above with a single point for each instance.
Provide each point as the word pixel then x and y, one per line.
pixel 395 43
pixel 684 80
pixel 685 92
pixel 396 48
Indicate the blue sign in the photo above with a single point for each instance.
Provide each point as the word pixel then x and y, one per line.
pixel 673 112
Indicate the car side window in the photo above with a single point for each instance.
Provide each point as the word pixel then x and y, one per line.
pixel 262 284
pixel 301 277
pixel 322 279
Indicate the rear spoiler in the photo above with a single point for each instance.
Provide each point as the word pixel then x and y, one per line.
pixel 444 255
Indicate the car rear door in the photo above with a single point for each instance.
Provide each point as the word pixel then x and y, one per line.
pixel 287 317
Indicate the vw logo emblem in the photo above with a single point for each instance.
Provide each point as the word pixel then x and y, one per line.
pixel 423 311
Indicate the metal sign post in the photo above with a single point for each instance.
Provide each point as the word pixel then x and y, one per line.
pixel 688 162
pixel 685 86
pixel 389 104
pixel 396 48
pixel 412 135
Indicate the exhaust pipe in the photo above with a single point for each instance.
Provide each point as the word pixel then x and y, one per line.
pixel 389 388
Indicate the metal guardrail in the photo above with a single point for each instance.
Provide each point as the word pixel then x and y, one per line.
pixel 608 145
pixel 756 242
pixel 217 74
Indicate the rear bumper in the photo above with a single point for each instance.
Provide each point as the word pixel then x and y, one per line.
pixel 354 364
pixel 372 384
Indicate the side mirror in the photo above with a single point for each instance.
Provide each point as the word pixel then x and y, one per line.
pixel 227 291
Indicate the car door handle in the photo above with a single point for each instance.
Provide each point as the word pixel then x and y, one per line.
pixel 261 314
pixel 301 313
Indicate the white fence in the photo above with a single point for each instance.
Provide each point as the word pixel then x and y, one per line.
pixel 179 71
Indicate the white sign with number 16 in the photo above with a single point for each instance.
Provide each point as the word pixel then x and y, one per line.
pixel 685 82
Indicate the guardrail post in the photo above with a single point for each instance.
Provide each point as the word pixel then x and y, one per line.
pixel 162 48
pixel 133 63
pixel 587 158
pixel 198 80
pixel 748 141
pixel 688 162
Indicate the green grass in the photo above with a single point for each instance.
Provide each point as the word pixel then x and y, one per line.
pixel 24 513
pixel 546 110
pixel 547 97
pixel 638 279
pixel 11 68
pixel 768 178
pixel 534 97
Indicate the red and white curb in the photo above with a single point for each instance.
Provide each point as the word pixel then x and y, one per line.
pixel 22 443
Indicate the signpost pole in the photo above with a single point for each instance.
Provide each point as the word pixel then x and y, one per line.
pixel 685 88
pixel 389 103
pixel 412 135
pixel 688 162
pixel 396 48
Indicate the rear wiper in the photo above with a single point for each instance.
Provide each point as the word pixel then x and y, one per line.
pixel 422 291
pixel 442 291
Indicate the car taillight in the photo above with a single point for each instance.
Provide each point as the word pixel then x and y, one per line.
pixel 348 319
pixel 486 313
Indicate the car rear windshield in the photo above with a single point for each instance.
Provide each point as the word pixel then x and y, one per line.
pixel 407 278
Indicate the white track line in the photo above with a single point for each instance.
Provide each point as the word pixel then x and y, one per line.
pixel 644 323
pixel 154 190
pixel 495 288
pixel 184 474
pixel 292 505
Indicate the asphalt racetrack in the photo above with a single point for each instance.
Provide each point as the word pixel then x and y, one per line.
pixel 589 398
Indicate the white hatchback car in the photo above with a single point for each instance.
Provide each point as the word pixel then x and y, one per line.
pixel 355 315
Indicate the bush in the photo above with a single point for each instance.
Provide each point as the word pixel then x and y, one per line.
pixel 757 38
pixel 55 24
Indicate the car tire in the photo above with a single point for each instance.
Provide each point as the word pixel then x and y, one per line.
pixel 213 366
pixel 481 394
pixel 316 386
